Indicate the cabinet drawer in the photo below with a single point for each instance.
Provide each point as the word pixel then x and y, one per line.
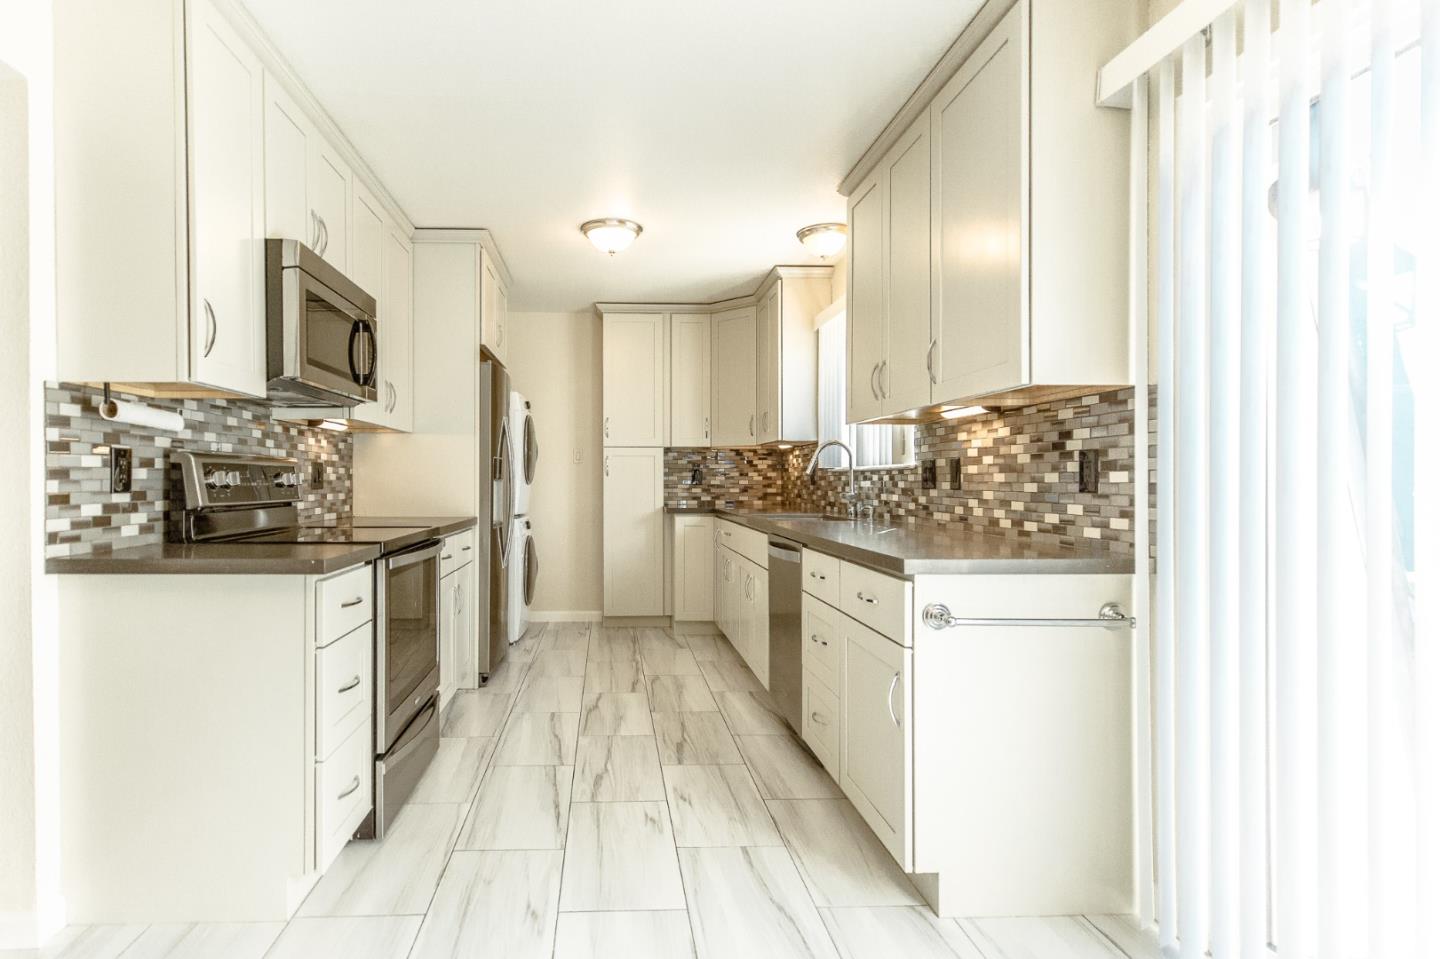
pixel 879 601
pixel 820 725
pixel 820 576
pixel 458 550
pixel 749 543
pixel 343 603
pixel 820 640
pixel 344 698
pixel 343 794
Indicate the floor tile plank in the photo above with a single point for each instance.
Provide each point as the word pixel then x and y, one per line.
pixel 717 806
pixel 360 937
pixel 617 769
pixel 206 940
pixel 1039 938
pixel 725 674
pixel 476 713
pixel 634 935
pixel 520 807
pixel 784 770
pixel 614 676
pixel 394 876
pixel 694 738
pixel 910 931
pixel 750 903
pixel 493 904
pixel 680 694
pixel 669 662
pixel 750 713
pixel 455 772
pixel 841 860
pixel 538 739
pixel 1125 932
pixel 550 694
pixel 106 941
pixel 620 856
pixel 616 714
pixel 559 662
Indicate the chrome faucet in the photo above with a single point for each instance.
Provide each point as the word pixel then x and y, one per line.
pixel 850 496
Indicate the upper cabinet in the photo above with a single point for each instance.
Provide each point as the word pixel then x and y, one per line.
pixel 690 379
pixel 494 309
pixel 785 354
pixel 987 243
pixel 181 144
pixel 634 370
pixel 732 407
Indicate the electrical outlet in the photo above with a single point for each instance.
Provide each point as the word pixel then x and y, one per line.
pixel 1089 471
pixel 956 471
pixel 928 478
pixel 120 475
pixel 317 475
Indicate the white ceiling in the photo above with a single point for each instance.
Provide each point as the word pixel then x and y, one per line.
pixel 722 127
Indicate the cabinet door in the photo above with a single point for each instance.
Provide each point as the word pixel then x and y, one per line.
pixel 329 189
pixel 733 407
pixel 634 379
pixel 287 157
pixel 980 175
pixel 449 651
pixel 690 379
pixel 865 302
pixel 492 303
pixel 634 532
pixel 467 641
pixel 759 623
pixel 399 327
pixel 502 319
pixel 694 574
pixel 876 742
pixel 767 367
pixel 904 374
pixel 368 230
pixel 227 219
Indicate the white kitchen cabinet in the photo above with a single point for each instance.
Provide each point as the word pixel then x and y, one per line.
pixel 330 188
pixel 449 637
pixel 634 368
pixel 467 625
pixel 370 230
pixel 876 739
pixel 288 133
pixel 865 301
pixel 227 219
pixel 367 244
pixel 398 371
pixel 820 722
pixel 690 379
pixel 634 531
pixel 494 309
pixel 733 405
pixel 726 592
pixel 754 619
pixel 786 349
pixel 693 582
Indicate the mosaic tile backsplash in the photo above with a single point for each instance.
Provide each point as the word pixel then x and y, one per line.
pixel 1019 475
pixel 82 515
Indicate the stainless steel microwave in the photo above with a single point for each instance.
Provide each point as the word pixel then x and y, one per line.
pixel 321 347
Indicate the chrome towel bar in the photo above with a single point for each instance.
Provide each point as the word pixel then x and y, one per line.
pixel 1111 616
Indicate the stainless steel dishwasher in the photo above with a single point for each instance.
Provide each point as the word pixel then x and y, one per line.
pixel 785 646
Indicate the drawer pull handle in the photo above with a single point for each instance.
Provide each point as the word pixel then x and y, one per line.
pixel 350 685
pixel 465 549
pixel 815 718
pixel 352 602
pixel 869 600
pixel 354 785
pixel 890 700
pixel 447 557
pixel 815 575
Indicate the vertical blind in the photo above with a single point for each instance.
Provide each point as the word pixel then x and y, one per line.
pixel 1296 675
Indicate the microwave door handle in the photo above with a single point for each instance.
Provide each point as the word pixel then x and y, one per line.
pixel 374 353
pixel 355 375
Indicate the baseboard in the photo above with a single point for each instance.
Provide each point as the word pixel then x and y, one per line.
pixel 637 622
pixel 566 616
pixel 31 930
pixel 684 627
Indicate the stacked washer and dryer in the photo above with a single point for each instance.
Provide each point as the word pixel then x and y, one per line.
pixel 524 565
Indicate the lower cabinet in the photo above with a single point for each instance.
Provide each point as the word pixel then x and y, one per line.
pixel 634 531
pixel 742 611
pixel 876 740
pixel 449 638
pixel 693 582
pixel 820 723
pixel 458 639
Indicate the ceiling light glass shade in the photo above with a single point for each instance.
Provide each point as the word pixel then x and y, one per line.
pixel 611 235
pixel 823 239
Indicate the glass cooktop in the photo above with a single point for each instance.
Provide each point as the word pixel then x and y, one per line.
pixel 342 535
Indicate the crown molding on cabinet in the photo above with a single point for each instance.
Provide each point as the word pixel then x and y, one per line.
pixel 479 235
pixel 810 272
pixel 970 38
pixel 244 22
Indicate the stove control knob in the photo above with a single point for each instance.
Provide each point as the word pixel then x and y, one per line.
pixel 216 479
pixel 287 480
pixel 232 478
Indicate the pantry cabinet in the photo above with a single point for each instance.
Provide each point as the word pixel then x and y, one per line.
pixel 733 404
pixel 988 241
pixel 633 360
pixel 634 531
pixel 690 379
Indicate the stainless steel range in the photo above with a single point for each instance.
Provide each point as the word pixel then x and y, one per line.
pixel 255 499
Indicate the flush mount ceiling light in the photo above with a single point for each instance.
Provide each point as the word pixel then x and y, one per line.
pixel 611 235
pixel 823 239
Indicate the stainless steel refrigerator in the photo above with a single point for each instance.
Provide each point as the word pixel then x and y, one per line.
pixel 497 509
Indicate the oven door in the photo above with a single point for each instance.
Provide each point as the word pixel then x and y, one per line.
pixel 407 658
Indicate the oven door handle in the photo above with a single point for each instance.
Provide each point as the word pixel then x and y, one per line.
pixel 418 555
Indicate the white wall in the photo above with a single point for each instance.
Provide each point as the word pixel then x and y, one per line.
pixel 555 363
pixel 31 907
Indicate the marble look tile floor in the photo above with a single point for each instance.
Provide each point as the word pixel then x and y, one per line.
pixel 629 792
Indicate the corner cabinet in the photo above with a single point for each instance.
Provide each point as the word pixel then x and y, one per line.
pixel 988 243
pixel 690 380
pixel 634 370
pixel 160 258
pixel 634 531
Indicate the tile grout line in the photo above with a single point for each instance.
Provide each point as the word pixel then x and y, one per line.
pixel 590 633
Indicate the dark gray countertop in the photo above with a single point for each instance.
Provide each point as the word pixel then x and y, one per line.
pixel 253 559
pixel 678 510
pixel 917 549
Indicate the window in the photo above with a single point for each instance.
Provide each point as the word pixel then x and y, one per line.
pixel 874 446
